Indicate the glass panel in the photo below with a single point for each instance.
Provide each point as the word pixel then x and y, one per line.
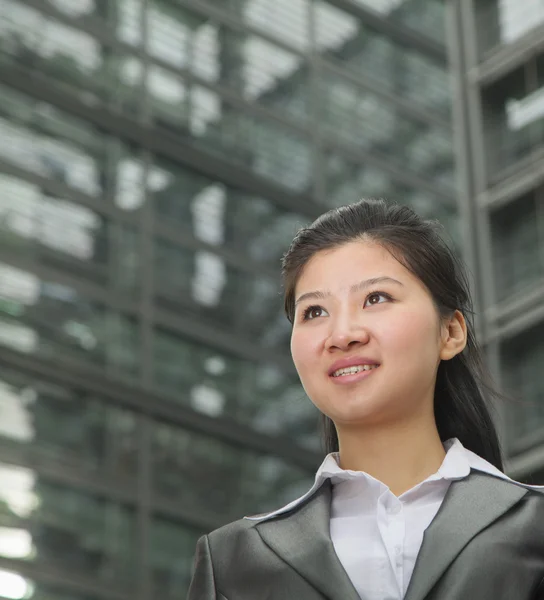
pixel 172 548
pixel 202 285
pixel 98 13
pixel 518 253
pixel 427 17
pixel 286 20
pixel 57 232
pixel 380 61
pixel 521 364
pixel 202 473
pixel 67 425
pixel 505 21
pixel 52 320
pixel 58 527
pixel 266 147
pixel 347 181
pixel 49 142
pixel 217 384
pixel 66 54
pixel 364 121
pixel 514 121
pixel 222 216
pixel 13 586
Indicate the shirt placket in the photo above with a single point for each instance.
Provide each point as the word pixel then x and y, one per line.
pixel 392 527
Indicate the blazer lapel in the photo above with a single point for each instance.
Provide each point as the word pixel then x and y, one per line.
pixel 302 539
pixel 470 506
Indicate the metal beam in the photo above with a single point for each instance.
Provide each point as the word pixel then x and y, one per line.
pixel 396 31
pixel 161 142
pixel 223 340
pixel 523 176
pixel 507 57
pixel 160 408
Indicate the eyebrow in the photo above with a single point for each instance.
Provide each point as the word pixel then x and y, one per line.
pixel 358 287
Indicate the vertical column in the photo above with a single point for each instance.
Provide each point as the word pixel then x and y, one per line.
pixel 146 242
pixel 319 167
pixel 470 151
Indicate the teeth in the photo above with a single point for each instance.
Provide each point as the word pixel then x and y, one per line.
pixel 353 370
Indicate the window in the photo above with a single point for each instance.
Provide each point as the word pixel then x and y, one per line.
pixel 374 58
pixel 286 20
pixel 54 321
pixel 521 364
pixel 505 21
pixel 513 119
pixel 14 585
pixel 68 425
pixel 205 474
pixel 210 381
pixel 518 247
pixel 56 527
pixel 220 215
pixel 49 142
pixel 348 181
pixel 363 120
pixel 201 285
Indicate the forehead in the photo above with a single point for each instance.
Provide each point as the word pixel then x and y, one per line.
pixel 348 264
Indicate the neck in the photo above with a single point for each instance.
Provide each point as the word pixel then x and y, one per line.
pixel 400 456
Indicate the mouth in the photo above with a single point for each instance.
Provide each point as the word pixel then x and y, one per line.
pixel 346 371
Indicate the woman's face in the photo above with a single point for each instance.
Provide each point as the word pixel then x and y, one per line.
pixel 367 339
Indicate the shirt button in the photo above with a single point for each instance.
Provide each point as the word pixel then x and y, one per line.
pixel 398 550
pixel 394 510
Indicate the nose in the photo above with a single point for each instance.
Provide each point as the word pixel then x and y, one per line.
pixel 346 334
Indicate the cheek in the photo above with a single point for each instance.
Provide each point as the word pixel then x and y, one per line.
pixel 410 330
pixel 304 348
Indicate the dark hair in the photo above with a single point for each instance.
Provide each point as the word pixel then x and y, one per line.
pixel 463 388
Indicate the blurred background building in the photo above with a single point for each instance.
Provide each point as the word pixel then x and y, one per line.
pixel 156 158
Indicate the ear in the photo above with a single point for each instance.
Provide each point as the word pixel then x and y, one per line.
pixel 454 336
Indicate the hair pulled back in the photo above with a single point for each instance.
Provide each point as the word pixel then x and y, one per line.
pixel 463 389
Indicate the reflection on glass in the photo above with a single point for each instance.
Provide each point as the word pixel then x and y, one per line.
pixel 200 284
pixel 220 215
pixel 259 394
pixel 514 125
pixel 285 20
pixel 67 425
pixel 59 527
pixel 49 142
pixel 505 21
pixel 203 473
pixel 53 320
pixel 370 55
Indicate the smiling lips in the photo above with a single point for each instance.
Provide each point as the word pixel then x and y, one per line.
pixel 352 369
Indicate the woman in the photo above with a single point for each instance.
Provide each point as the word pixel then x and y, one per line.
pixel 411 501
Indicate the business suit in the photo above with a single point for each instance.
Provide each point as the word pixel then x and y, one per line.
pixel 486 543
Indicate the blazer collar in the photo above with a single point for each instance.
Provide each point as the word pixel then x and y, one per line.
pixel 301 537
pixel 470 505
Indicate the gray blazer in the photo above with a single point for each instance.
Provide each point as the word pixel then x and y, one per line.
pixel 485 543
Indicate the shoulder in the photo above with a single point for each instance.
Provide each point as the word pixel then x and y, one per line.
pixel 232 533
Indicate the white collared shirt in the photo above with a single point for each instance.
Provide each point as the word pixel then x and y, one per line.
pixel 377 535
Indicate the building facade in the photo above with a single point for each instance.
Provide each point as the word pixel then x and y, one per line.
pixel 497 59
pixel 157 157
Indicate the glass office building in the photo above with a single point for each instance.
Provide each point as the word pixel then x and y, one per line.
pixel 497 57
pixel 156 158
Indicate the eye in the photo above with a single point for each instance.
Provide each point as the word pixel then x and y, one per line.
pixel 376 298
pixel 313 312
